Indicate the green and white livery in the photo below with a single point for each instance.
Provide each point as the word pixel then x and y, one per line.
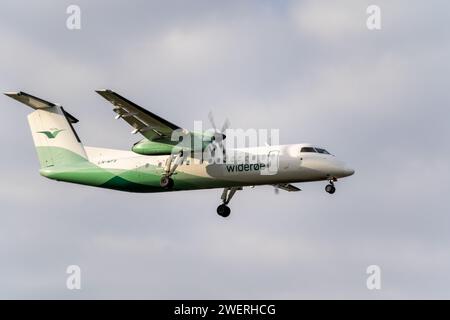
pixel 160 163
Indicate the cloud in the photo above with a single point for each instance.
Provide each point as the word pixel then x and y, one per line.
pixel 311 68
pixel 329 21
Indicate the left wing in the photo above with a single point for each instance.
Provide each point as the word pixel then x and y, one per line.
pixel 287 187
pixel 143 121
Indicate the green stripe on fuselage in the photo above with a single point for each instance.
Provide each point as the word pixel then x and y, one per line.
pixel 142 179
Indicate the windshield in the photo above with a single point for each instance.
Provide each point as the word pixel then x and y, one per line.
pixel 319 150
pixel 316 150
pixel 308 149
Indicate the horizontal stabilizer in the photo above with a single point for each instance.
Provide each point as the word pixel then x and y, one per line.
pixel 37 103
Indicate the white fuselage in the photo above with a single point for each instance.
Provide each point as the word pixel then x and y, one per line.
pixel 292 166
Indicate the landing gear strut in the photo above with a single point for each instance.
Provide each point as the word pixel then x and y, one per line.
pixel 223 210
pixel 330 188
pixel 171 165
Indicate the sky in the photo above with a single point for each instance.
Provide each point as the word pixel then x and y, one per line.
pixel 377 99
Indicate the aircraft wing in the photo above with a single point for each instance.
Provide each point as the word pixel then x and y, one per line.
pixel 287 187
pixel 143 121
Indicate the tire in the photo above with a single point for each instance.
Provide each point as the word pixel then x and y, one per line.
pixel 223 210
pixel 330 189
pixel 166 182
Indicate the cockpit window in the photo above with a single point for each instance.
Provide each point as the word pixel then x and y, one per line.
pixel 319 150
pixel 307 149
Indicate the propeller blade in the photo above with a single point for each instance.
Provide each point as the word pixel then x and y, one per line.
pixel 225 125
pixel 211 120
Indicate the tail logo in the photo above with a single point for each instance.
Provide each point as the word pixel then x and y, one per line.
pixel 51 134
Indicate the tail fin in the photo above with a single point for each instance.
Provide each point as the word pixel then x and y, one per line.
pixel 56 142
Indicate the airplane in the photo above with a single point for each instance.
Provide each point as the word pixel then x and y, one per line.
pixel 157 163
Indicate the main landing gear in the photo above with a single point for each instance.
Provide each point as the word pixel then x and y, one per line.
pixel 171 165
pixel 166 182
pixel 330 188
pixel 223 210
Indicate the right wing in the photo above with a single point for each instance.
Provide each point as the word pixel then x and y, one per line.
pixel 143 121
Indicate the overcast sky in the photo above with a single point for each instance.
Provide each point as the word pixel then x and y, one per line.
pixel 377 99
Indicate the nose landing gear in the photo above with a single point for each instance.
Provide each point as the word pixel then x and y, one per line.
pixel 330 188
pixel 223 210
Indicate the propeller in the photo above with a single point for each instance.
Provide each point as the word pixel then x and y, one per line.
pixel 219 135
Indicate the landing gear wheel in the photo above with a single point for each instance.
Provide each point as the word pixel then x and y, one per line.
pixel 166 182
pixel 223 210
pixel 330 189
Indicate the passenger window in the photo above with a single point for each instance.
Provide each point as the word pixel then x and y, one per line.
pixel 307 149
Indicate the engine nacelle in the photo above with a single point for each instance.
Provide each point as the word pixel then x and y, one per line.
pixel 153 148
pixel 167 147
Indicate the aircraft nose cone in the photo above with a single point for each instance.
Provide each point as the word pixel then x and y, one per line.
pixel 344 170
pixel 348 171
pixel 337 169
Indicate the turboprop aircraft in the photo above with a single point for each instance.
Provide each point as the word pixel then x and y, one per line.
pixel 161 162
